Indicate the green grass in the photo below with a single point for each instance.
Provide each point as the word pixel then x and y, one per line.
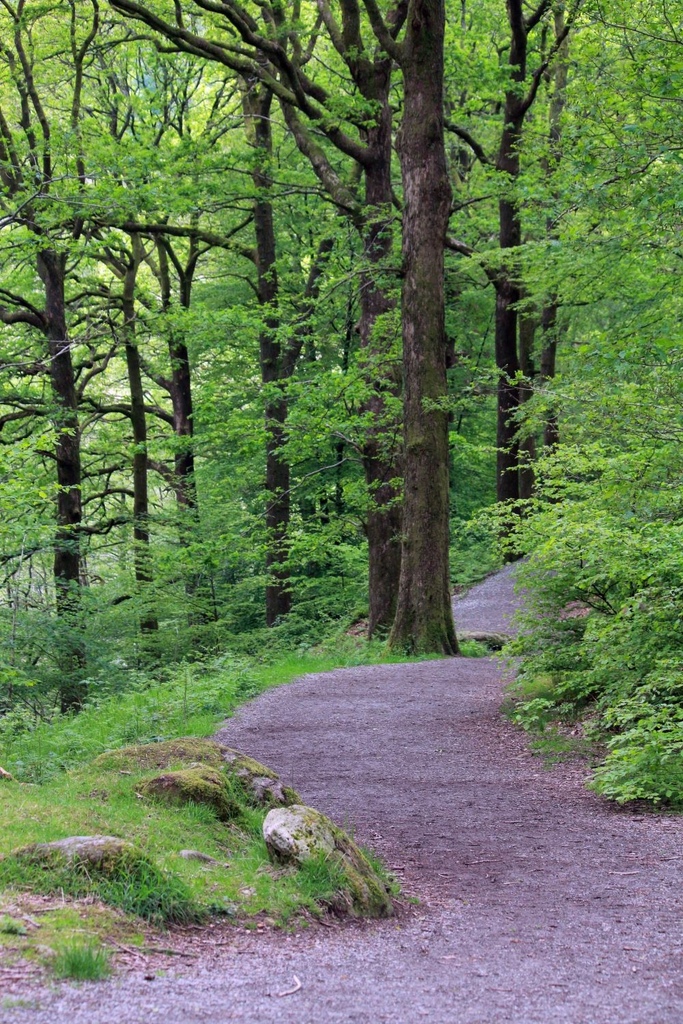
pixel 139 888
pixel 82 961
pixel 96 801
pixel 473 649
pixel 9 926
pixel 556 746
pixel 321 879
pixel 531 703
pixel 53 924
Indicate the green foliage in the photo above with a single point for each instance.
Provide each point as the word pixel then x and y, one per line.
pixel 322 879
pixel 160 140
pixel 603 627
pixel 8 926
pixel 156 880
pixel 473 649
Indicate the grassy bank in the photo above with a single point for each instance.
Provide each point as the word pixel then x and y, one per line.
pixel 60 790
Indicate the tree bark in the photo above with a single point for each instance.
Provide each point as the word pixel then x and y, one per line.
pixel 180 385
pixel 277 362
pixel 551 430
pixel 424 618
pixel 141 554
pixel 67 548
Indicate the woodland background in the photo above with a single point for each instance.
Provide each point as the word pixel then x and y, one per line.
pixel 202 415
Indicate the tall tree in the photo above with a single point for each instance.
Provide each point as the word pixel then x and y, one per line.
pixel 138 418
pixel 424 616
pixel 528 58
pixel 32 158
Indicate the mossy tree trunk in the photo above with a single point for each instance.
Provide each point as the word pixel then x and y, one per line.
pixel 67 545
pixel 381 459
pixel 424 618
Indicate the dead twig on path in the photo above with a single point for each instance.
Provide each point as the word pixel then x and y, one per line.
pixel 129 949
pixel 169 952
pixel 291 991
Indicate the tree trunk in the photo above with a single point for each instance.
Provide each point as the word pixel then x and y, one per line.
pixel 510 237
pixel 507 296
pixel 380 460
pixel 180 388
pixel 257 105
pixel 551 432
pixel 141 554
pixel 424 617
pixel 507 460
pixel 527 444
pixel 67 551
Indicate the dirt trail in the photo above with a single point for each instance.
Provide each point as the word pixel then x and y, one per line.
pixel 540 903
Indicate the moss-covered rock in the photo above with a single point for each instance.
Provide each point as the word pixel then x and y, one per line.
pixel 106 855
pixel 298 834
pixel 112 869
pixel 201 785
pixel 261 784
pixel 187 751
pixel 494 641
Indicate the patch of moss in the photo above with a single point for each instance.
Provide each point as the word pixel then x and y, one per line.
pixel 202 785
pixel 304 836
pixel 51 924
pixel 366 891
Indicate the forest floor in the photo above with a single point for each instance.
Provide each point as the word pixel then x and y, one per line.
pixel 539 902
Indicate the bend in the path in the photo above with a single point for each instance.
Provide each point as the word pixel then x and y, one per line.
pixel 541 904
pixel 489 606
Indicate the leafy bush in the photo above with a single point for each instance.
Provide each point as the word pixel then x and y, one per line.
pixel 604 585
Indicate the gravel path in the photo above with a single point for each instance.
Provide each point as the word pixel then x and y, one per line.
pixel 540 903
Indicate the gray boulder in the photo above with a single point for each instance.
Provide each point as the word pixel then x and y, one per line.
pixel 299 835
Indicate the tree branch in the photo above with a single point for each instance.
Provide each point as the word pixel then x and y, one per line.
pixel 323 169
pixel 552 53
pixel 464 134
pixel 534 18
pixel 384 37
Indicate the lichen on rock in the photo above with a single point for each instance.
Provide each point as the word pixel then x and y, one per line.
pixel 262 784
pixel 200 785
pixel 299 834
